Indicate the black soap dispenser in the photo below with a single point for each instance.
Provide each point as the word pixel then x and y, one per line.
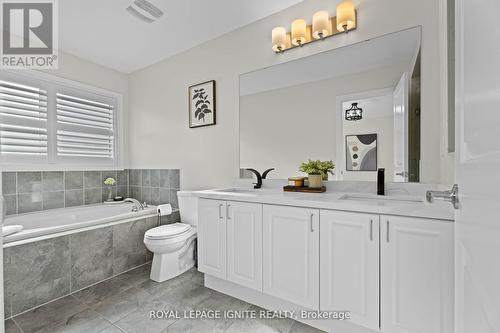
pixel 381 181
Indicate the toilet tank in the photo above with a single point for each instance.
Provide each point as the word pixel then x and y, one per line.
pixel 188 207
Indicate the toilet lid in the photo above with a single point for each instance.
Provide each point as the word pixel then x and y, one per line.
pixel 168 231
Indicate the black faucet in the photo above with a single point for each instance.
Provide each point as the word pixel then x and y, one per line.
pixel 381 181
pixel 264 174
pixel 259 178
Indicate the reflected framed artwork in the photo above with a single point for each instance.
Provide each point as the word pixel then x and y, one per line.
pixel 361 152
pixel 202 104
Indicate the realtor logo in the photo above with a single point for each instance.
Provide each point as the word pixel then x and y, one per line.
pixel 29 34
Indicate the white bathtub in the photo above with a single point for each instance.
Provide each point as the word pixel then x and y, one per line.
pixel 57 222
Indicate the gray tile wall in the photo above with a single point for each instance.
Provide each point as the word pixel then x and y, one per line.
pixel 32 191
pixel 156 186
pixel 39 272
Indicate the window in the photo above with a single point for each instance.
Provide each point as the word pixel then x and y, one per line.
pixel 84 127
pixel 23 120
pixel 50 121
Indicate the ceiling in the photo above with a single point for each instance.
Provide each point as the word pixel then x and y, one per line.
pixel 103 32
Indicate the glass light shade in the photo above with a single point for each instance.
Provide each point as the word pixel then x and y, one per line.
pixel 320 26
pixel 298 32
pixel 279 39
pixel 346 16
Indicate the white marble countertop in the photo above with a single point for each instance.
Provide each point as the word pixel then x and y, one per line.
pixel 366 203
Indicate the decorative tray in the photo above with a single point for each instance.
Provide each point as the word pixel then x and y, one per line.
pixel 306 189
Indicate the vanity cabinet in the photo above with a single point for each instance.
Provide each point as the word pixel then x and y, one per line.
pixel 349 271
pixel 212 237
pixel 230 241
pixel 417 275
pixel 291 254
pixel 244 244
pixel 394 274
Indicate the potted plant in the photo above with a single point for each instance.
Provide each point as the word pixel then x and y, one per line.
pixel 109 182
pixel 317 171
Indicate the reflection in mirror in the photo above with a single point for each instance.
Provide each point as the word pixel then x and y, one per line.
pixel 357 105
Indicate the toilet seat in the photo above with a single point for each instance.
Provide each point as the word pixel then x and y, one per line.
pixel 168 231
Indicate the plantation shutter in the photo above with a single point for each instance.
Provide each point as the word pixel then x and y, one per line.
pixel 85 128
pixel 51 122
pixel 23 121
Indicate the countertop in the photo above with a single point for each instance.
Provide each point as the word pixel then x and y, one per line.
pixel 361 203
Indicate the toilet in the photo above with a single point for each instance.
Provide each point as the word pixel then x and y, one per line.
pixel 173 245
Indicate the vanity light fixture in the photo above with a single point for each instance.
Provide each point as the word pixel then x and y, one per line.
pixel 354 113
pixel 279 39
pixel 346 16
pixel 299 28
pixel 322 26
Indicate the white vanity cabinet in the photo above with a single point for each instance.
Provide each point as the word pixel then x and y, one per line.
pixel 394 274
pixel 291 254
pixel 244 244
pixel 349 271
pixel 230 241
pixel 212 237
pixel 417 275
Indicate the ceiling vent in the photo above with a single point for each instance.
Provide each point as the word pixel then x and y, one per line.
pixel 144 11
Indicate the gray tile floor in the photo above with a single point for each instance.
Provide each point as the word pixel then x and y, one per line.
pixel 122 304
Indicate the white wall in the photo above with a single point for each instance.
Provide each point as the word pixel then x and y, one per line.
pixel 283 127
pixel 209 156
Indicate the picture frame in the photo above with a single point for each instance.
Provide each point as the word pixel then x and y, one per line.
pixel 361 152
pixel 202 104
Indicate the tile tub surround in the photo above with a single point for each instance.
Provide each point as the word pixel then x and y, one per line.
pixel 26 192
pixel 122 304
pixel 156 186
pixel 39 272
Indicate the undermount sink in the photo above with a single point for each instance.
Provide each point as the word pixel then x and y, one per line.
pixel 372 198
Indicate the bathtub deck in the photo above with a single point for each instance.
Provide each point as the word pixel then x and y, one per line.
pixel 122 304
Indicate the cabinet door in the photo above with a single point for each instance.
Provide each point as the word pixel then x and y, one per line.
pixel 417 275
pixel 212 237
pixel 244 244
pixel 350 265
pixel 291 254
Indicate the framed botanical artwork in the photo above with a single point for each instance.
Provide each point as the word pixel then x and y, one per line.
pixel 361 152
pixel 202 104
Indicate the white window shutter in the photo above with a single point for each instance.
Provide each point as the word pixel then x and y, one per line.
pixel 57 123
pixel 23 121
pixel 85 128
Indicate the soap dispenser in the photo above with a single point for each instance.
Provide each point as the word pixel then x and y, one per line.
pixel 381 181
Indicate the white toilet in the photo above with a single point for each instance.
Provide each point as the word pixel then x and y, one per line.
pixel 173 244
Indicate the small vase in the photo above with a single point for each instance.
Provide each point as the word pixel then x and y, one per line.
pixel 315 181
pixel 110 194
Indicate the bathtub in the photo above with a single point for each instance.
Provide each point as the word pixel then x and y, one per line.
pixel 58 222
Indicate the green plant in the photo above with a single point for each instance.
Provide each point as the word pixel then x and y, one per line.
pixel 317 167
pixel 109 181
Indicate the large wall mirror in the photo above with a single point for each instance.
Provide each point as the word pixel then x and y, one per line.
pixel 357 105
